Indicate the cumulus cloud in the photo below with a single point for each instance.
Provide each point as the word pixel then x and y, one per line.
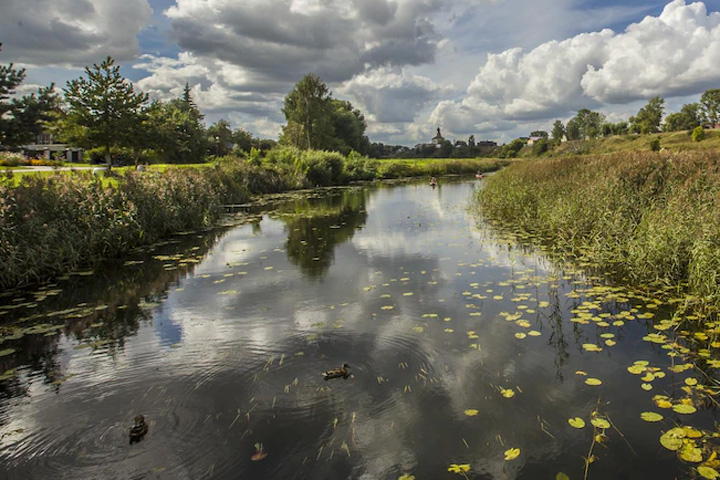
pixel 676 53
pixel 285 39
pixel 392 95
pixel 72 32
pixel 217 86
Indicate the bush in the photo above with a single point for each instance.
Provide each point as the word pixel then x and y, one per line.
pixel 655 144
pixel 321 168
pixel 359 167
pixel 10 159
pixel 540 147
pixel 698 134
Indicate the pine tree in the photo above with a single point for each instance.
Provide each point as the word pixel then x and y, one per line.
pixel 104 108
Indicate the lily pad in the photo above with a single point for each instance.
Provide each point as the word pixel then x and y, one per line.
pixel 709 473
pixel 684 409
pixel 471 412
pixel 512 454
pixel 593 382
pixel 576 422
pixel 651 416
pixel 600 423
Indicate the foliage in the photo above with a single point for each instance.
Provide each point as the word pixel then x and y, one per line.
pixel 698 134
pixel 655 144
pixel 511 150
pixel 586 124
pixel 540 147
pixel 558 131
pixel 176 131
pixel 349 128
pixel 654 219
pixel 710 104
pixel 307 109
pixel 648 117
pixel 689 117
pixel 219 138
pixel 539 133
pixel 104 109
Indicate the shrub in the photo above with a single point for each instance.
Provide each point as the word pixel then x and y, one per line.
pixel 321 168
pixel 360 167
pixel 655 144
pixel 698 134
pixel 11 159
pixel 540 147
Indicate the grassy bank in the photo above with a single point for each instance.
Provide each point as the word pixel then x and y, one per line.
pixel 52 223
pixel 653 218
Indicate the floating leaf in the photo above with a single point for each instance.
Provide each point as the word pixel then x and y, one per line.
pixel 577 422
pixel 684 409
pixel 593 382
pixel 591 347
pixel 561 476
pixel 471 412
pixel 406 476
pixel 672 439
pixel 600 423
pixel 507 392
pixel 7 351
pixel 690 453
pixel 646 386
pixel 520 335
pixel 418 329
pixel 534 333
pixel 512 454
pixel 691 381
pixel 651 416
pixel 455 468
pixel 580 372
pixel 707 472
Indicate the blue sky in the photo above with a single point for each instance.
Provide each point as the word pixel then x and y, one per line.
pixel 493 68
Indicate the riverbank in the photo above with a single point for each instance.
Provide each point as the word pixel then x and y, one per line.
pixel 652 219
pixel 53 224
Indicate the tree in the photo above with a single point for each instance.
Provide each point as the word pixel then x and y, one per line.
pixel 104 109
pixel 539 133
pixel 689 117
pixel 30 115
pixel 586 124
pixel 620 128
pixel 10 79
pixel 558 131
pixel 307 110
pixel 219 138
pixel 648 117
pixel 471 141
pixel 242 140
pixel 349 128
pixel 175 130
pixel 710 101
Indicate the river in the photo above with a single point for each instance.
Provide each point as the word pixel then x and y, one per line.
pixel 462 345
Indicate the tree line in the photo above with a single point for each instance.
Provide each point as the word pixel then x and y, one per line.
pixel 105 113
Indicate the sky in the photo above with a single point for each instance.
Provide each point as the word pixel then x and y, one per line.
pixel 495 69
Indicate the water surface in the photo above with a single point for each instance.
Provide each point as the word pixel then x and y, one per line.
pixel 461 346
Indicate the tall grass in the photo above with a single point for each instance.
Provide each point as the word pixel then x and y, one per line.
pixel 653 218
pixel 50 224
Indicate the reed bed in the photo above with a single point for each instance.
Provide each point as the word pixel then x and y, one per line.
pixel 652 218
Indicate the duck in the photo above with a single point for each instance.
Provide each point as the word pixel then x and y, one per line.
pixel 138 430
pixel 337 372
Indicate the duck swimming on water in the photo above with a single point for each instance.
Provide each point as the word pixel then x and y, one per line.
pixel 138 430
pixel 337 372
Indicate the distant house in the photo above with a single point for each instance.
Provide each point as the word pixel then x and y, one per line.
pixel 46 147
pixel 533 140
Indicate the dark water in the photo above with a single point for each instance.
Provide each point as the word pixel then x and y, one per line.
pixel 220 338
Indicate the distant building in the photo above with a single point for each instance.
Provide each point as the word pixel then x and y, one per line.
pixel 45 146
pixel 533 140
pixel 438 139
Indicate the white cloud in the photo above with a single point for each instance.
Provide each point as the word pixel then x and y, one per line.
pixel 72 32
pixel 392 95
pixel 676 53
